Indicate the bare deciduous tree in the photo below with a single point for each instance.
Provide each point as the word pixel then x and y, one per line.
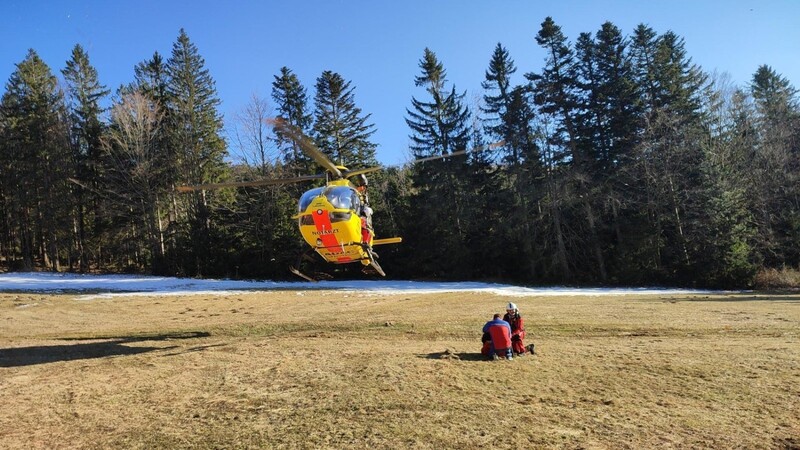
pixel 134 172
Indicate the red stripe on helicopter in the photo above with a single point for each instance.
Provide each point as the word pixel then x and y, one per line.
pixel 322 220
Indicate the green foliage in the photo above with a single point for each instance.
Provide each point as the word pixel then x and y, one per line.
pixel 86 130
pixel 290 100
pixel 194 130
pixel 340 129
pixel 442 203
pixel 36 160
pixel 620 163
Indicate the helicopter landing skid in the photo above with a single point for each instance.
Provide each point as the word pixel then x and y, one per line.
pixel 301 274
pixel 295 269
pixel 373 263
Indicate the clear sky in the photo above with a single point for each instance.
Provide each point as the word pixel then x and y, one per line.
pixel 377 44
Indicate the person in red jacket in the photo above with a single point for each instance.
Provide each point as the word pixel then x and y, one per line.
pixel 498 343
pixel 517 324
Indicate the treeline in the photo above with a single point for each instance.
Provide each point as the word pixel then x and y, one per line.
pixel 621 162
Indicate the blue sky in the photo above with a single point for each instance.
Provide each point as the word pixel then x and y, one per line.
pixel 377 44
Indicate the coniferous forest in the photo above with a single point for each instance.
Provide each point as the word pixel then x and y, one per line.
pixel 622 163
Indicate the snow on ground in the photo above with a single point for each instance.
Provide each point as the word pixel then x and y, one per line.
pixel 104 286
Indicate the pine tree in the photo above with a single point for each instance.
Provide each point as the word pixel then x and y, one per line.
pixel 643 53
pixel 195 127
pixel 729 255
pixel 555 94
pixel 440 211
pixel 340 130
pixel 609 122
pixel 509 118
pixel 291 102
pixel 554 89
pixel 669 156
pixel 151 79
pixel 439 126
pixel 84 95
pixel 777 161
pixel 610 96
pixel 35 149
pixel 497 99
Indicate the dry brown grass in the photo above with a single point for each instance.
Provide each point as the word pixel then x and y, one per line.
pixel 785 278
pixel 335 370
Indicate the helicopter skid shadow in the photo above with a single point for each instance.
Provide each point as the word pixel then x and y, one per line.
pixel 110 346
pixel 456 356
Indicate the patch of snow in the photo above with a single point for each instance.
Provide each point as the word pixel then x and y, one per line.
pixel 108 286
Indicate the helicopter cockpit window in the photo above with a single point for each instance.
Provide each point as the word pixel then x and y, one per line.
pixel 342 197
pixel 308 197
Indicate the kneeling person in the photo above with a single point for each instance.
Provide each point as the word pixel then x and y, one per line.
pixel 517 328
pixel 499 333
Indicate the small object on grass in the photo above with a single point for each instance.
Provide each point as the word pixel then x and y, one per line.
pixel 449 354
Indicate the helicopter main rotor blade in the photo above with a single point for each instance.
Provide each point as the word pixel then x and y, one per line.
pixel 460 152
pixel 305 144
pixel 211 186
pixel 352 173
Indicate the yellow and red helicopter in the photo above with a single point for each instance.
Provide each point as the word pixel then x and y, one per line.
pixel 335 220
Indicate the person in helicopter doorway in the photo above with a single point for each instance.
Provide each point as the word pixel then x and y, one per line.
pixel 497 339
pixel 517 324
pixel 365 212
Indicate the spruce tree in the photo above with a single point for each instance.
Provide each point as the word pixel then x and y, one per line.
pixel 509 117
pixel 291 102
pixel 195 127
pixel 439 126
pixel 340 130
pixel 556 96
pixel 669 156
pixel 84 96
pixel 291 105
pixel 36 150
pixel 729 243
pixel 555 89
pixel 777 161
pixel 151 79
pixel 608 126
pixel 497 99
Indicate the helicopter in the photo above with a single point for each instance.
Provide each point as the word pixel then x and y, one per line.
pixel 335 220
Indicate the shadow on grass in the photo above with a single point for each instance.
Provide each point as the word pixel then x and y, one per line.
pixel 111 346
pixel 458 356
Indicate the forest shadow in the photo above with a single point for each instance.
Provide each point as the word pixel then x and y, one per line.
pixel 111 346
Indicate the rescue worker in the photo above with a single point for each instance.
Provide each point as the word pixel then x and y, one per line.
pixel 499 332
pixel 514 319
pixel 365 211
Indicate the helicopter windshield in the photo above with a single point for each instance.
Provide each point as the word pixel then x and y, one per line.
pixel 340 197
pixel 306 199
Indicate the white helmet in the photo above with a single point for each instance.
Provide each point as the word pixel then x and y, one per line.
pixel 511 306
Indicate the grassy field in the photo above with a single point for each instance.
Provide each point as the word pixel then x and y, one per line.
pixel 326 369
